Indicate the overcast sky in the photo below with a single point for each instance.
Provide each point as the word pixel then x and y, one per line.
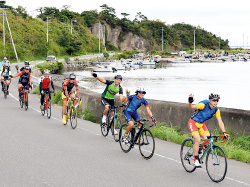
pixel 229 19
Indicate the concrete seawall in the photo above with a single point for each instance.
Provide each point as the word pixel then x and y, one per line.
pixel 173 113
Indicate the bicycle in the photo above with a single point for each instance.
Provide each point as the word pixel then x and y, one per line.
pixel 23 99
pixel 47 104
pixel 5 91
pixel 216 161
pixel 144 136
pixel 112 122
pixel 71 112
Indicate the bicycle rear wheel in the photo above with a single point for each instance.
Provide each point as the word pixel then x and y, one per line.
pixel 105 127
pixel 26 101
pixel 187 155
pixel 146 144
pixel 48 109
pixel 125 144
pixel 117 126
pixel 73 118
pixel 216 164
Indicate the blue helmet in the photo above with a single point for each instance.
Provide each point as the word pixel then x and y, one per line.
pixel 118 77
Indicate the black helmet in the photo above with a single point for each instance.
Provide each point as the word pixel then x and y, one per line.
pixel 118 77
pixel 214 95
pixel 26 63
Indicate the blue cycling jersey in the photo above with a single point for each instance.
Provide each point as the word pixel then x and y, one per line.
pixel 135 103
pixel 201 116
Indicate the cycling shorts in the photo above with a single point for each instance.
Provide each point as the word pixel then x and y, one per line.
pixel 110 102
pixel 64 98
pixel 129 116
pixel 196 128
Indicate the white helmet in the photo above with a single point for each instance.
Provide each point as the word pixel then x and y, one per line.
pixel 140 88
pixel 46 71
pixel 5 58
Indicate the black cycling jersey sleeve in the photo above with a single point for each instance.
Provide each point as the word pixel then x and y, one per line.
pixel 108 82
pixel 120 90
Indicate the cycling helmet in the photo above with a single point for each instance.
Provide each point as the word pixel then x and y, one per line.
pixel 214 95
pixel 5 58
pixel 140 88
pixel 72 76
pixel 26 63
pixel 118 77
pixel 46 71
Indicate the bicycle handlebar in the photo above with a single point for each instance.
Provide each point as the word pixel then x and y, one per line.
pixel 216 137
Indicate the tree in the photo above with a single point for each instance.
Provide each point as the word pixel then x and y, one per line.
pixel 125 15
pixel 140 17
pixel 109 11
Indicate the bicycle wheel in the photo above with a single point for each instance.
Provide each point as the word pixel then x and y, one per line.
pixel 146 144
pixel 117 126
pixel 105 127
pixel 26 102
pixel 5 92
pixel 216 164
pixel 21 101
pixel 126 145
pixel 49 109
pixel 187 155
pixel 43 110
pixel 73 118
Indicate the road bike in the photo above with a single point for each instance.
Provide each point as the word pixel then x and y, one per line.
pixel 216 160
pixel 5 82
pixel 141 134
pixel 47 104
pixel 112 122
pixel 71 111
pixel 23 98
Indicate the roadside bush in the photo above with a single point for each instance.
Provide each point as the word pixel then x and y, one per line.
pixel 88 114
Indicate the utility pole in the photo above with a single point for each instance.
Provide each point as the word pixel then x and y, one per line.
pixel 71 24
pixel 162 38
pixel 194 41
pixel 11 37
pixel 243 44
pixel 219 41
pixel 3 26
pixel 99 37
pixel 48 35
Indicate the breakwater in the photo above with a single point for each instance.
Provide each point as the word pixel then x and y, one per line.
pixel 173 113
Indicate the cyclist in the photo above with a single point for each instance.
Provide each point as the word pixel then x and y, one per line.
pixel 130 112
pixel 45 82
pixel 25 79
pixel 67 92
pixel 108 96
pixel 26 63
pixel 204 110
pixel 3 62
pixel 5 72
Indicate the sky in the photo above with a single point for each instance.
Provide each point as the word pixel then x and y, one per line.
pixel 224 18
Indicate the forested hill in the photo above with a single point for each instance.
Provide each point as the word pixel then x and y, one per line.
pixel 30 34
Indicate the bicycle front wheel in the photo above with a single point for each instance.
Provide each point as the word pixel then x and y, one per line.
pixel 187 155
pixel 48 109
pixel 125 143
pixel 73 118
pixel 216 164
pixel 146 144
pixel 43 110
pixel 26 102
pixel 117 125
pixel 105 127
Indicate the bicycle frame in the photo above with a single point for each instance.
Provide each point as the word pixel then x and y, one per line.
pixel 71 102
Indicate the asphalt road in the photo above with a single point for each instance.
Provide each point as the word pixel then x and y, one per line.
pixel 36 151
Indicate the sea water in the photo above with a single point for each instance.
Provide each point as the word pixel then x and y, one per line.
pixel 174 82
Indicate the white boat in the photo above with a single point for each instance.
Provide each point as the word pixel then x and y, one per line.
pixel 102 68
pixel 185 60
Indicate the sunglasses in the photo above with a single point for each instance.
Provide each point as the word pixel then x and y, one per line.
pixel 142 92
pixel 72 78
pixel 215 100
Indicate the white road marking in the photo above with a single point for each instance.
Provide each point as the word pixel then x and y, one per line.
pixel 244 183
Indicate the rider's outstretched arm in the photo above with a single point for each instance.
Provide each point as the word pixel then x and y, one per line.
pixel 149 111
pixel 98 78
